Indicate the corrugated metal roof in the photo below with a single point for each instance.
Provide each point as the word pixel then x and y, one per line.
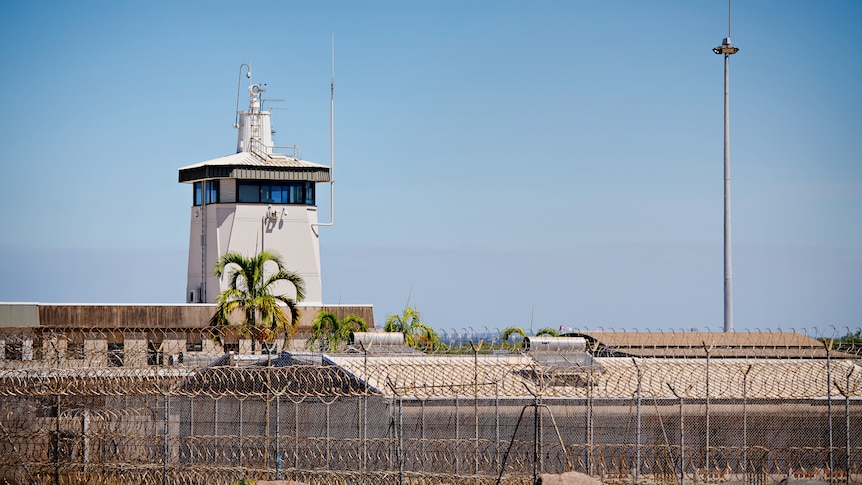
pixel 428 376
pixel 253 166
pixel 519 376
pixel 696 340
pixel 766 379
pixel 249 159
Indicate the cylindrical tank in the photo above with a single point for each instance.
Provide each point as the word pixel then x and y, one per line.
pixel 369 339
pixel 543 343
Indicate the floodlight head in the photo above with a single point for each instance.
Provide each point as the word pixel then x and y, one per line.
pixel 726 47
pixel 248 74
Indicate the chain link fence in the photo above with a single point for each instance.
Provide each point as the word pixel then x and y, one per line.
pixel 156 410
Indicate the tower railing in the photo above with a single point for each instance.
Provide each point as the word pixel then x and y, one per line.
pixel 266 151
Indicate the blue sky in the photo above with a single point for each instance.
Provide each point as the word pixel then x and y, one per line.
pixel 496 162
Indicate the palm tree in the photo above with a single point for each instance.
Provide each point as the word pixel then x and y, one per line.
pixel 330 332
pixel 550 332
pixel 417 334
pixel 509 331
pixel 250 291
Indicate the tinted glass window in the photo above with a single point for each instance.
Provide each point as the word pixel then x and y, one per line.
pixel 276 192
pixel 212 192
pixel 309 193
pixel 273 193
pixel 248 192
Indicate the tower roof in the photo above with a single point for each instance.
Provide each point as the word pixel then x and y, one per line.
pixel 256 165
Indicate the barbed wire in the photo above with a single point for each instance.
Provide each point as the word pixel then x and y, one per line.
pixel 156 406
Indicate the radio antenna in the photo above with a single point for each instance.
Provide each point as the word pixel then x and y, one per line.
pixel 331 143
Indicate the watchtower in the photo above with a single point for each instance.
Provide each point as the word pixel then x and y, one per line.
pixel 261 197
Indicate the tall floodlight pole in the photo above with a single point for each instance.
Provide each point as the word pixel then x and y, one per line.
pixel 727 49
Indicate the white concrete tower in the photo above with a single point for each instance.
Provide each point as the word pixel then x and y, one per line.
pixel 252 200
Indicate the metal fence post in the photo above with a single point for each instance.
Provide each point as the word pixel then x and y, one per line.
pixel 847 423
pixel 278 458
pixel 681 435
pixel 476 349
pixel 457 434
pixel 422 424
pixel 57 444
pixel 296 434
pixel 745 470
pixel 165 439
pixel 638 413
pixel 400 439
pixel 497 422
pixel 537 426
pixel 846 391
pixel 328 432
pixel 706 453
pixel 828 345
pixel 364 416
pixel 590 470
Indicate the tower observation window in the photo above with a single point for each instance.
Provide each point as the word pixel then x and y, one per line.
pixel 268 192
pixel 209 196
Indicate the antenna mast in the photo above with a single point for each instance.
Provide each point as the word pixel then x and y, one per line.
pixel 331 143
pixel 238 87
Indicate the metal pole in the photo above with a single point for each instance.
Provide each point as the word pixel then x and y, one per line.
pixel 296 435
pixel 365 410
pixel 638 446
pixel 191 416
pixel 727 49
pixel 829 407
pixel 278 457
pixel 536 426
pixel 57 446
pixel 359 421
pixel 846 393
pixel 540 435
pixel 476 405
pixel 57 429
pixel 590 424
pixel 745 470
pixel 400 439
pixel 847 427
pixel 165 441
pixel 681 435
pixel 267 399
pixel 327 434
pixel 497 421
pixel 706 460
pixel 681 442
pixel 457 435
pixel 728 265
